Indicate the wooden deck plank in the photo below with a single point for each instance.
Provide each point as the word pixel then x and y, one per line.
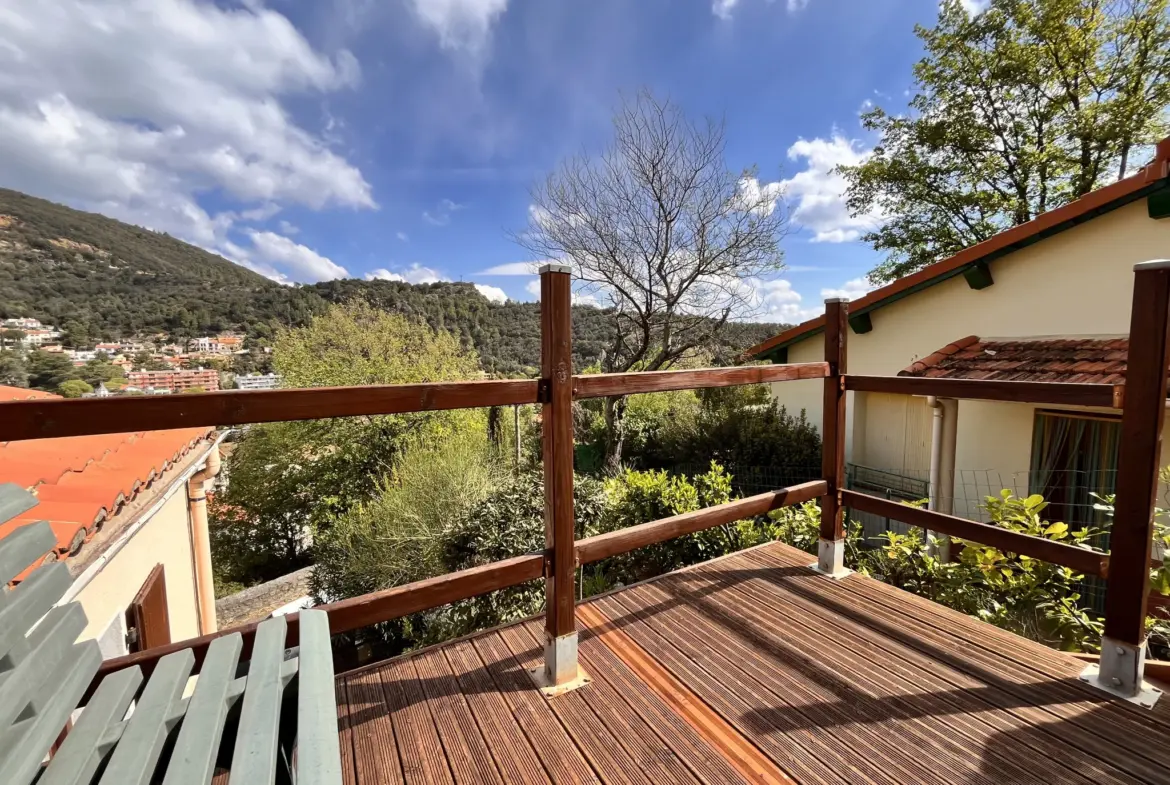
pixel 684 741
pixel 419 748
pixel 559 754
pixel 897 684
pixel 983 713
pixel 786 750
pixel 467 752
pixel 345 735
pixel 606 755
pixel 510 748
pixel 1063 697
pixel 784 698
pixel 371 730
pixel 654 759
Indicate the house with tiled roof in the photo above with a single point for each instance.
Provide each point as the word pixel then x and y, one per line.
pixel 1048 300
pixel 129 516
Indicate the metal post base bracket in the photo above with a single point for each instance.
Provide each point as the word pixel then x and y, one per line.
pixel 831 559
pixel 560 672
pixel 1120 673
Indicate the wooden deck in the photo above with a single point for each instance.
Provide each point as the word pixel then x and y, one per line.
pixel 751 668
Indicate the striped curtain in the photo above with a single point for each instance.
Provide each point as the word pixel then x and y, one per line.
pixel 1071 458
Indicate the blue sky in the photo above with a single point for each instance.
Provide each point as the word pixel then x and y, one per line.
pixel 312 139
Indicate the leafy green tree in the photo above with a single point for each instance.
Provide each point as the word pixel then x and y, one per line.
pixel 11 337
pixel 292 479
pixel 47 370
pixel 101 371
pixel 74 388
pixel 12 369
pixel 77 335
pixel 1017 110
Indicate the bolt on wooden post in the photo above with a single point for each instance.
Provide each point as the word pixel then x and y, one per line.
pixel 1123 646
pixel 560 671
pixel 831 547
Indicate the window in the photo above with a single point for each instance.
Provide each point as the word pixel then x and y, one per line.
pixel 1073 456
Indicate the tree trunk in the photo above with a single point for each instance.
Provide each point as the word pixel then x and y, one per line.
pixel 615 434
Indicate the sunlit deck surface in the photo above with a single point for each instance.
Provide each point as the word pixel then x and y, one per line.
pixel 750 668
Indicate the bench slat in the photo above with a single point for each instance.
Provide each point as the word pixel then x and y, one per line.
pixel 13 501
pixel 254 756
pixel 318 746
pixel 23 547
pixel 134 759
pixel 193 759
pixel 49 658
pixel 21 607
pixel 83 749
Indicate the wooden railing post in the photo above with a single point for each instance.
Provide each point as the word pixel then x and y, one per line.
pixel 556 367
pixel 1123 647
pixel 831 548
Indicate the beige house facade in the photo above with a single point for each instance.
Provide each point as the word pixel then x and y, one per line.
pixel 1062 283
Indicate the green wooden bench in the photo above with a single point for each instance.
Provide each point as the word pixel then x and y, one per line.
pixel 270 719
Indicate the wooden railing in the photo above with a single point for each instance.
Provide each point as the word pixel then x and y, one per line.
pixel 1142 401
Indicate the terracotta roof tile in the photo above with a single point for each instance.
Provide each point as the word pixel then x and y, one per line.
pixel 83 481
pixel 1079 360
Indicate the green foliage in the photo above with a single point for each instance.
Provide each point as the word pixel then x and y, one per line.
pixel 74 388
pixel 1017 110
pixel 48 370
pixel 101 371
pixel 640 496
pixel 289 479
pixel 13 372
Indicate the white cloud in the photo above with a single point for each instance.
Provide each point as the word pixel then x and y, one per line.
pixel 797 5
pixel 818 193
pixel 511 268
pixel 284 260
pixel 850 290
pixel 777 301
pixel 764 197
pixel 288 228
pixel 402 236
pixel 974 7
pixel 533 288
pixel 461 25
pixel 584 298
pixel 441 214
pixel 724 8
pixel 136 108
pixel 493 293
pixel 416 273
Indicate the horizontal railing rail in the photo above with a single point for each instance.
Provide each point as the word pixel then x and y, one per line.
pixel 602 385
pixel 1110 396
pixel 51 418
pixel 1079 559
pixel 602 546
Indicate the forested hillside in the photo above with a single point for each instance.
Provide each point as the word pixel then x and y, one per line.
pixel 99 278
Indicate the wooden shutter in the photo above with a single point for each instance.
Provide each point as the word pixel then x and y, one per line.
pixel 147 622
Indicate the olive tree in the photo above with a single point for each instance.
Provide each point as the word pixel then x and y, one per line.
pixel 662 233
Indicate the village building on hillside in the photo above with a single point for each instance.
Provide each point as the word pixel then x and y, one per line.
pixel 130 517
pixel 1048 300
pixel 175 380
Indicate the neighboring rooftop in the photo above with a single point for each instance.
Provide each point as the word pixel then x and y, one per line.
pixel 1072 360
pixel 82 482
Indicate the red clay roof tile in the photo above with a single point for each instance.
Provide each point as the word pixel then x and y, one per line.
pixel 1081 360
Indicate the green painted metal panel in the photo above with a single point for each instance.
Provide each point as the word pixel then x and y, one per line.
pixel 136 756
pixel 89 742
pixel 254 757
pixel 15 500
pixel 193 759
pixel 318 750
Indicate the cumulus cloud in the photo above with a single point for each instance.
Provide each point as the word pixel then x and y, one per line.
pixel 818 193
pixel 460 25
pixel 136 108
pixel 441 214
pixel 285 260
pixel 533 288
pixel 761 198
pixel 416 273
pixel 777 301
pixel 511 268
pixel 851 290
pixel 974 7
pixel 493 293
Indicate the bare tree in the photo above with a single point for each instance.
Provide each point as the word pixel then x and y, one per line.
pixel 662 232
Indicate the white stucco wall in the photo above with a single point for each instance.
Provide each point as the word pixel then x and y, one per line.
pixel 164 539
pixel 1077 283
